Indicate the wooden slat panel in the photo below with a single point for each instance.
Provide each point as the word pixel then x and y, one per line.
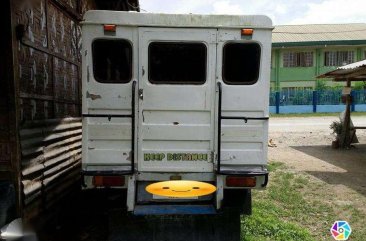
pixel 51 151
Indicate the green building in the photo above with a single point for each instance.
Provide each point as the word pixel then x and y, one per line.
pixel 302 52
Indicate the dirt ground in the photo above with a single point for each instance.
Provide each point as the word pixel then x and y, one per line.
pixel 304 144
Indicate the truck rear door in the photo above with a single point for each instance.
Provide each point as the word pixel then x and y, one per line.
pixel 242 70
pixel 109 78
pixel 176 99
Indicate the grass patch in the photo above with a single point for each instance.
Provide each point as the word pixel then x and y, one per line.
pixel 316 114
pixel 281 212
pixel 273 166
pixel 296 207
pixel 266 224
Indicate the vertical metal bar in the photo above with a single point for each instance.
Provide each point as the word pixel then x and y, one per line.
pixel 315 100
pixel 277 102
pixel 219 129
pixel 133 127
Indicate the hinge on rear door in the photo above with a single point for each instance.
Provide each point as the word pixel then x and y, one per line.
pixel 141 94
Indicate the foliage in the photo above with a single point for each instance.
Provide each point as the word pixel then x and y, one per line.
pixel 336 127
pixel 361 85
pixel 321 85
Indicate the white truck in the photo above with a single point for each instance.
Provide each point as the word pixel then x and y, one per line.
pixel 176 97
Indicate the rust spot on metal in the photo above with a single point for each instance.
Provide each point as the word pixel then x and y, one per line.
pixel 92 96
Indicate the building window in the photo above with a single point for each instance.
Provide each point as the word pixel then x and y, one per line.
pixel 338 58
pixel 177 63
pixel 112 60
pixel 298 59
pixel 241 63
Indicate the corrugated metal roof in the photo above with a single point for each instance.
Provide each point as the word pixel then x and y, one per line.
pixel 354 72
pixel 354 65
pixel 319 33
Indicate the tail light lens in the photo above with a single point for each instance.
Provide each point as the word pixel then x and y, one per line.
pixel 108 181
pixel 247 31
pixel 109 28
pixel 241 181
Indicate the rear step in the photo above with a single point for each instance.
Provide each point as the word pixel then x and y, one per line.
pixel 173 209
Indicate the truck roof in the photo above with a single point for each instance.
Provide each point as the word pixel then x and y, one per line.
pixel 176 20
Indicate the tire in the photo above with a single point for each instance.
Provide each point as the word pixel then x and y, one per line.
pixel 240 199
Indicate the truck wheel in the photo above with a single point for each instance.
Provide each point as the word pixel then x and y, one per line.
pixel 240 199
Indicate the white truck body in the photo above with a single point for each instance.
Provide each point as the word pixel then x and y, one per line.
pixel 166 103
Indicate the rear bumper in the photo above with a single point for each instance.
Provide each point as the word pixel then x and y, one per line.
pixel 261 175
pixel 143 210
pixel 142 203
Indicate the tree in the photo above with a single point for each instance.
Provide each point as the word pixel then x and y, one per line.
pixel 321 85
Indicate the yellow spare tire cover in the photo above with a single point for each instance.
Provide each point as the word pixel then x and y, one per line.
pixel 181 188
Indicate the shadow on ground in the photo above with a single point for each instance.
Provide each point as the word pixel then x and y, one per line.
pixel 353 161
pixel 98 215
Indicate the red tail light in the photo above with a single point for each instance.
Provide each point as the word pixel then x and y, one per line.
pixel 241 181
pixel 247 31
pixel 108 181
pixel 110 28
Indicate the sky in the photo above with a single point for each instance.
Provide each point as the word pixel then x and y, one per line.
pixel 281 12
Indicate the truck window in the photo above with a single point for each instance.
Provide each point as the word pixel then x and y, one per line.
pixel 112 60
pixel 241 62
pixel 177 63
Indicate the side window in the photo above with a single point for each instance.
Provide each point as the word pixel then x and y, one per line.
pixel 112 60
pixel 241 63
pixel 177 63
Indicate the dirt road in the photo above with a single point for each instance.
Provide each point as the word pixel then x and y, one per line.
pixel 308 124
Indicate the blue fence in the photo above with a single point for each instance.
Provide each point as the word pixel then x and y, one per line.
pixel 307 101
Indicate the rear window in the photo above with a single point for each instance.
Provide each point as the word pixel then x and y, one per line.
pixel 241 62
pixel 112 60
pixel 177 63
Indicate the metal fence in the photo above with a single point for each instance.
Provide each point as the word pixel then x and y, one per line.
pixel 303 101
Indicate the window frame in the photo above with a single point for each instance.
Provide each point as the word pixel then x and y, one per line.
pixel 175 83
pixel 130 77
pixel 336 57
pixel 298 59
pixel 223 63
